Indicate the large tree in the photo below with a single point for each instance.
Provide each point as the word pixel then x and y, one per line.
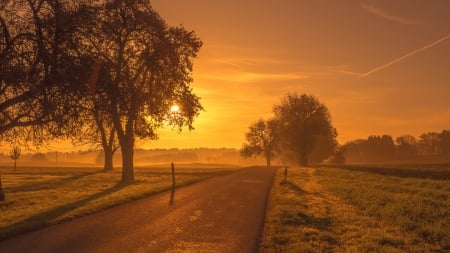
pixel 261 139
pixel 147 66
pixel 39 67
pixel 302 119
pixel 96 129
pixel 325 147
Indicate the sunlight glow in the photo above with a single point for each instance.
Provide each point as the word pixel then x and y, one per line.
pixel 174 108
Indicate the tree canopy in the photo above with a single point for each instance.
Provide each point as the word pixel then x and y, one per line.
pixel 300 131
pixel 430 147
pixel 261 139
pixel 302 120
pixel 116 61
pixel 144 68
pixel 38 69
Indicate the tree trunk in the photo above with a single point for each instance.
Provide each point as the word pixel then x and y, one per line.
pixel 109 153
pixel 268 160
pixel 2 193
pixel 127 147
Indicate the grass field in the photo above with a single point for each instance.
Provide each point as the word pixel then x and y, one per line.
pixel 40 196
pixel 359 209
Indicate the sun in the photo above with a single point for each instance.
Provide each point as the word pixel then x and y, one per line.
pixel 174 108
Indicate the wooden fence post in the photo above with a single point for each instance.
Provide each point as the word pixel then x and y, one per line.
pixel 172 194
pixel 173 175
pixel 2 193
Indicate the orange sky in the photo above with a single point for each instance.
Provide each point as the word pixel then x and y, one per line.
pixel 380 66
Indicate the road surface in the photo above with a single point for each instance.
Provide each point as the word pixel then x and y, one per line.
pixel 221 214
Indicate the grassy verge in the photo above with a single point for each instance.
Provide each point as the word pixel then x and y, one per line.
pixel 38 197
pixel 339 210
pixel 415 204
pixel 291 224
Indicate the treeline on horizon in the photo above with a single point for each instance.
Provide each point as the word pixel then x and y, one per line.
pixel 142 156
pixel 430 147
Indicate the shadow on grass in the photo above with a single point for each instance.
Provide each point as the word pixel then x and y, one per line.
pixel 302 219
pixel 292 186
pixel 45 218
pixel 52 183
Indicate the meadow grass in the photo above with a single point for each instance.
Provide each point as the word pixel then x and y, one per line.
pixel 292 224
pixel 41 196
pixel 415 204
pixel 340 210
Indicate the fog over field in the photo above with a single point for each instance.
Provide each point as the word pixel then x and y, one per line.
pixel 224 156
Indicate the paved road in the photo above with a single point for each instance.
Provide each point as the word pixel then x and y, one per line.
pixel 221 214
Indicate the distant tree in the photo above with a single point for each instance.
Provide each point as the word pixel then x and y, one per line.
pixel 302 119
pixel 380 148
pixel 15 154
pixel 144 67
pixel 261 139
pixel 444 143
pixel 38 157
pixel 354 151
pixel 428 144
pixel 406 147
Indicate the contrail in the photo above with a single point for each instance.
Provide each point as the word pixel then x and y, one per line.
pixel 434 43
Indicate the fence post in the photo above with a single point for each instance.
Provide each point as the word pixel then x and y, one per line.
pixel 172 194
pixel 173 175
pixel 2 193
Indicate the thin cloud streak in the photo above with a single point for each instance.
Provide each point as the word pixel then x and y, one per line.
pixel 432 44
pixel 383 14
pixel 246 77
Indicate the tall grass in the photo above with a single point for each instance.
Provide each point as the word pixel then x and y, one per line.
pixel 417 205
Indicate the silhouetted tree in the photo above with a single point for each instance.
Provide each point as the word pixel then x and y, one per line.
pixel 15 154
pixel 147 66
pixel 86 118
pixel 444 143
pixel 302 119
pixel 379 148
pixel 406 147
pixel 2 193
pixel 97 129
pixel 338 156
pixel 37 66
pixel 354 151
pixel 38 157
pixel 324 148
pixel 428 144
pixel 261 139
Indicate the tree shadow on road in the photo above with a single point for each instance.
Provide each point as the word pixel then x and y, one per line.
pixel 46 218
